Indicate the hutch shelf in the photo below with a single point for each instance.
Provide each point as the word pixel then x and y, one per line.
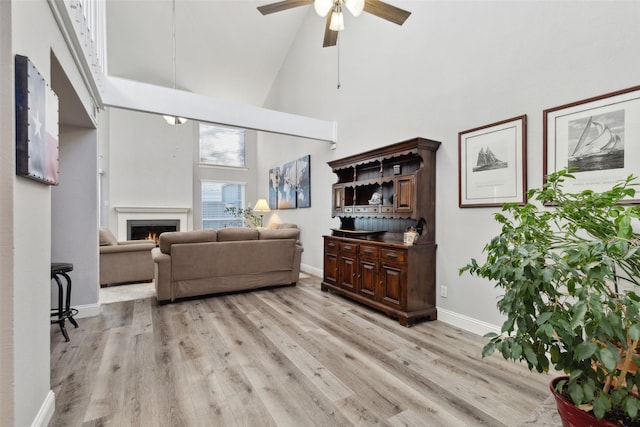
pixel 379 194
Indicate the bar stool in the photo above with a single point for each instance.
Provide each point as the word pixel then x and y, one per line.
pixel 64 311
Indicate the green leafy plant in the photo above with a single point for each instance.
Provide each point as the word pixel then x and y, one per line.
pixel 249 217
pixel 562 268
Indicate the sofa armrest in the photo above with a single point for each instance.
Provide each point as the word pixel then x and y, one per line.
pixel 137 242
pixel 127 248
pixel 162 274
pixel 297 260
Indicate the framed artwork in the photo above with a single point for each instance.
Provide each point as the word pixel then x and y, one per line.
pixel 303 182
pixel 290 184
pixel 36 124
pixel 287 186
pixel 274 182
pixel 597 137
pixel 492 164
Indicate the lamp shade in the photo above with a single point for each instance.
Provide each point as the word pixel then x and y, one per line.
pixel 355 6
pixel 337 21
pixel 323 7
pixel 261 206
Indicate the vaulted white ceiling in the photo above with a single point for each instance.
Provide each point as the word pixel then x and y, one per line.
pixel 225 49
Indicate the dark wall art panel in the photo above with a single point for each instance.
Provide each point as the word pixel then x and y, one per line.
pixel 36 125
pixel 287 186
pixel 303 181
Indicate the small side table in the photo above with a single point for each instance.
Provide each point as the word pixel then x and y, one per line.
pixel 64 311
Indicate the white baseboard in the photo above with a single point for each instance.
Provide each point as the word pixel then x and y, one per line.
pixel 45 413
pixel 465 322
pixel 317 272
pixel 87 310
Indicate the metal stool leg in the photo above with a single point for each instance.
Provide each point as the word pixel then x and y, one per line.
pixel 61 308
pixel 67 308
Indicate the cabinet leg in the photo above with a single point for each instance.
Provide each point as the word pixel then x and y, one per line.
pixel 407 322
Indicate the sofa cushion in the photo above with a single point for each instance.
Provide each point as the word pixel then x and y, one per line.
pixel 284 233
pixel 231 258
pixel 277 226
pixel 231 234
pixel 107 238
pixel 173 237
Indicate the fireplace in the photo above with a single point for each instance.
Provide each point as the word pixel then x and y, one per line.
pixel 150 229
pixel 152 215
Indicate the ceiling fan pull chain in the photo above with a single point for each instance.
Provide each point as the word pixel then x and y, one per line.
pixel 338 50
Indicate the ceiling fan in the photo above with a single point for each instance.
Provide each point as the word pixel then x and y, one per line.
pixel 332 9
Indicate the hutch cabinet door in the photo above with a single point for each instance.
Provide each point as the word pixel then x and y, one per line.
pixel 338 198
pixel 394 280
pixel 331 268
pixel 330 261
pixel 404 194
pixel 394 277
pixel 368 276
pixel 347 266
pixel 369 271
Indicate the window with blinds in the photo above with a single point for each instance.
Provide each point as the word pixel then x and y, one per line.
pixel 222 146
pixel 215 197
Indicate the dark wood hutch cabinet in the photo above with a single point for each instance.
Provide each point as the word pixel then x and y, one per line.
pixel 378 195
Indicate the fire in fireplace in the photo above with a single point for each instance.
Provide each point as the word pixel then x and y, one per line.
pixel 150 229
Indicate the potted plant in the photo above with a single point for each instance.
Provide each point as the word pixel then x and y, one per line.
pixel 569 274
pixel 248 216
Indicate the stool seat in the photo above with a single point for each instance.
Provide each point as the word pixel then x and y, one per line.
pixel 64 310
pixel 61 267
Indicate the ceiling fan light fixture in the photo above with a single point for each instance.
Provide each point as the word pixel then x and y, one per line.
pixel 355 6
pixel 175 120
pixel 322 7
pixel 337 20
pixel 331 10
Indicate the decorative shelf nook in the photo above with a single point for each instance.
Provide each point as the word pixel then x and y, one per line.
pixel 378 196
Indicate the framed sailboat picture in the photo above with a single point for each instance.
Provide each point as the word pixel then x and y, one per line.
pixel 597 138
pixel 492 164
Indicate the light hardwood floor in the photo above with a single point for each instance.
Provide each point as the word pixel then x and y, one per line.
pixel 292 356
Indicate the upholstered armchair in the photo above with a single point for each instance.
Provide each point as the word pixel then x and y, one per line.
pixel 125 261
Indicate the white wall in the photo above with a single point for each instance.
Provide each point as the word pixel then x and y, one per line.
pixel 453 66
pixel 7 168
pixel 36 35
pixel 273 150
pixel 146 163
pixel 74 213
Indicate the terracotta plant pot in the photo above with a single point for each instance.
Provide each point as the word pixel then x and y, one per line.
pixel 571 415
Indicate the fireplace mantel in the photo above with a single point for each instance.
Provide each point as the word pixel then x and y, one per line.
pixel 125 213
pixel 150 209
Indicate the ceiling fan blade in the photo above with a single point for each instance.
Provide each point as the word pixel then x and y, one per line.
pixel 386 11
pixel 282 5
pixel 330 36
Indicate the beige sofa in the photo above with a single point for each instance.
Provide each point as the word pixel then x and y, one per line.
pixel 126 261
pixel 193 263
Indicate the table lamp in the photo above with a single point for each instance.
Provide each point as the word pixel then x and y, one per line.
pixel 261 207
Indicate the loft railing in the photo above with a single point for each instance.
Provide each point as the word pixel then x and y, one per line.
pixel 83 25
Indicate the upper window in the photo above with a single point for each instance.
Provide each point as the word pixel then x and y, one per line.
pixel 222 146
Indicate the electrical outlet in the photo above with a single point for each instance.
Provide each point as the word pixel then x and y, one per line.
pixel 443 291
